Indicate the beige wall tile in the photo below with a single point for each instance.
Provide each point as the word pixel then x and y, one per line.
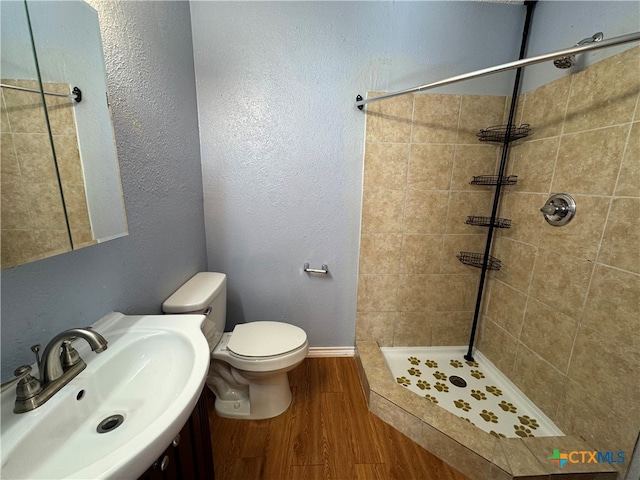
pixel 18 247
pixel 82 238
pixel 478 112
pixel 629 178
pixel 389 120
pixel 521 460
pixel 45 205
pixel 52 242
pixel 68 159
pixel 561 282
pixel 408 424
pixel 451 328
pixel 506 306
pixel 601 426
pixel 454 453
pixel 385 165
pixel 435 118
pixel 497 345
pixel 5 125
pixel 540 381
pixel 523 209
pixel 75 201
pixel 380 253
pixel 35 157
pixel 430 166
pixel 534 163
pixel 588 162
pixel 421 253
pixel 601 366
pixel 10 168
pixel 377 293
pixel 425 212
pixel 443 293
pixel 24 109
pixel 613 306
pixel 605 93
pixel 549 333
pixel 622 235
pixel 543 447
pixel 15 207
pixel 417 293
pixel 382 211
pixel 544 108
pixel 468 161
pixel 413 329
pixel 378 326
pixel 457 293
pixel 517 262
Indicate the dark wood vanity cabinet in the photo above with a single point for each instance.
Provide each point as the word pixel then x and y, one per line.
pixel 190 456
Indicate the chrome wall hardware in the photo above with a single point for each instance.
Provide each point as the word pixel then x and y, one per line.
pixel 324 270
pixel 559 209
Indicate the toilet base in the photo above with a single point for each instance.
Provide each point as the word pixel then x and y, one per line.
pixel 268 397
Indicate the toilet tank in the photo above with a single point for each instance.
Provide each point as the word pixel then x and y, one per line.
pixel 205 293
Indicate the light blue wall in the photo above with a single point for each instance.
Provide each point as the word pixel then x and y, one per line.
pixel 282 143
pixel 150 72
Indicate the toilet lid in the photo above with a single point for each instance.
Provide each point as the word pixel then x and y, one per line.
pixel 265 339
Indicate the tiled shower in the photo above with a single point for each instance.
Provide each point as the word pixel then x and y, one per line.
pixel 560 318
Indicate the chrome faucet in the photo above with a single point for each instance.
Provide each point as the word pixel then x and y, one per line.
pixel 56 370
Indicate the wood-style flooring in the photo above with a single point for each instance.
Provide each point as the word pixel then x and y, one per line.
pixel 327 433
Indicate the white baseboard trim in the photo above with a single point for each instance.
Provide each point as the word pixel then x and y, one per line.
pixel 316 352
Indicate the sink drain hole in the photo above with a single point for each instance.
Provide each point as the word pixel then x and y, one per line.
pixel 110 423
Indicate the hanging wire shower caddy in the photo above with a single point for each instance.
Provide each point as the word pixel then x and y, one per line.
pixel 496 134
pixel 486 222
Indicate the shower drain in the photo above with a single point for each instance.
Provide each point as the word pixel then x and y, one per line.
pixel 110 423
pixel 458 381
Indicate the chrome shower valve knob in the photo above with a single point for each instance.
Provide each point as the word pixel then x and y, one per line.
pixel 559 209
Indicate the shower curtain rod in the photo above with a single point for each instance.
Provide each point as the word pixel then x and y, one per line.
pixel 76 95
pixel 630 37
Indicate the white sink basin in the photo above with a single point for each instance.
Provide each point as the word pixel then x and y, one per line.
pixel 151 374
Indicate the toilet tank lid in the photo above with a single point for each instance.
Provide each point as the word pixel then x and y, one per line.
pixel 197 294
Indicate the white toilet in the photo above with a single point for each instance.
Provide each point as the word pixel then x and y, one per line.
pixel 248 370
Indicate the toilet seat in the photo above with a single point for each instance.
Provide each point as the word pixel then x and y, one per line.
pixel 265 339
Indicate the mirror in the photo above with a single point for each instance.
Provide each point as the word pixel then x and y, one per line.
pixel 61 185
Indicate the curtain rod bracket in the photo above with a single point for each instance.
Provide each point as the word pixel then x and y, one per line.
pixel 359 98
pixel 78 93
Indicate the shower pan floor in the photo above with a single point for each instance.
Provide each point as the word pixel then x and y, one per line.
pixel 476 391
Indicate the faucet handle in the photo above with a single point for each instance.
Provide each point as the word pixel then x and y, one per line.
pixel 69 355
pixel 28 386
pixel 18 374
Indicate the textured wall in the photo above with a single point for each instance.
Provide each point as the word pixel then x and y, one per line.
pixel 282 143
pixel 150 72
